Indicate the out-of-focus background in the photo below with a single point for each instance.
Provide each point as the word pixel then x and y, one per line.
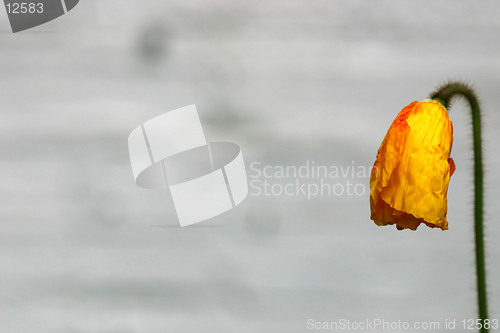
pixel 85 250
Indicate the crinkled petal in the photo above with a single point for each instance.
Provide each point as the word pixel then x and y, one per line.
pixel 409 181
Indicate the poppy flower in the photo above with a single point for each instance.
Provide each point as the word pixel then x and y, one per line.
pixel 409 180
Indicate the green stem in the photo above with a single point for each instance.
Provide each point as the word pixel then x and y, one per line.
pixel 444 95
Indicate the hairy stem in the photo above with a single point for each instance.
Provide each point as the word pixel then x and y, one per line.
pixel 444 95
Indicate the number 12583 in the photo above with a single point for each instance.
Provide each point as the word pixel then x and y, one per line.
pixel 25 8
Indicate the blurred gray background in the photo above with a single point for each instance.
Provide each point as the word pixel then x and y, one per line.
pixel 85 250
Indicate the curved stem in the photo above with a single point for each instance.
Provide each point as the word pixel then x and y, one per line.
pixel 444 95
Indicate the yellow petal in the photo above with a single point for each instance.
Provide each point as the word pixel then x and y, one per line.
pixel 409 181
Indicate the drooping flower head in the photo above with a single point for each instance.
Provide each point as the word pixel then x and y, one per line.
pixel 409 180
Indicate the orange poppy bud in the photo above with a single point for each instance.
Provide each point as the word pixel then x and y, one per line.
pixel 409 180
